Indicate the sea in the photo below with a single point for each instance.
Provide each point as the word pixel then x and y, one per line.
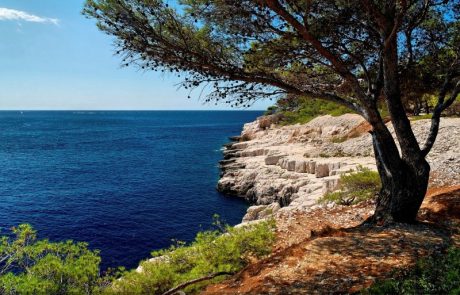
pixel 127 183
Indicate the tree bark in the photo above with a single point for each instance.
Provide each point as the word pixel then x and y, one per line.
pixel 404 175
pixel 404 183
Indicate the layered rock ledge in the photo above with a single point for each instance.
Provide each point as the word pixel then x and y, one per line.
pixel 288 168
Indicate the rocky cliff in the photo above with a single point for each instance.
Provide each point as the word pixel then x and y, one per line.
pixel 288 168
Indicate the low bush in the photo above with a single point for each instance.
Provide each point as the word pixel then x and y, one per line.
pixel 421 117
pixel 434 275
pixel 355 187
pixel 31 266
pixel 270 110
pixel 225 250
pixel 308 109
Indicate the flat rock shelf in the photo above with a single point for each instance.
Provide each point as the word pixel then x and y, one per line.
pixel 282 169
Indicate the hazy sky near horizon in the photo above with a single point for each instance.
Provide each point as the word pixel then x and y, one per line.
pixel 53 58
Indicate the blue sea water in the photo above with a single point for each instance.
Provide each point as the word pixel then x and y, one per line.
pixel 125 182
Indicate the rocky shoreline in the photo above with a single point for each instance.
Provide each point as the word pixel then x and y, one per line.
pixel 286 169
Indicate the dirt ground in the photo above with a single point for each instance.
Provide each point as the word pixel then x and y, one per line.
pixel 327 251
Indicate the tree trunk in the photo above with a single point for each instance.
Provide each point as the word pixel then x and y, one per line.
pixel 404 184
pixel 404 177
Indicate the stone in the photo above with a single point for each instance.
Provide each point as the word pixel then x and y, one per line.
pixel 253 212
pixel 254 153
pixel 261 211
pixel 311 167
pixel 322 170
pixel 291 165
pixel 330 184
pixel 273 159
pixel 340 171
pixel 334 166
pixel 267 121
pixel 280 162
pixel 272 171
pixel 240 145
pixel 284 163
pixel 235 138
pixel 300 166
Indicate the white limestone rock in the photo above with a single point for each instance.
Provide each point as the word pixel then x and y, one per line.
pixel 273 159
pixel 282 165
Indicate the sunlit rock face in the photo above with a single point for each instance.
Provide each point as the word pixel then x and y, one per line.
pixel 293 166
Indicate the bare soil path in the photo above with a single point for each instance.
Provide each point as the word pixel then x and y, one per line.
pixel 326 251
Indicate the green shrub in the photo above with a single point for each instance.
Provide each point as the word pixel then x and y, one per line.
pixel 308 109
pixel 271 110
pixel 304 109
pixel 434 275
pixel 355 187
pixel 226 249
pixel 421 117
pixel 31 266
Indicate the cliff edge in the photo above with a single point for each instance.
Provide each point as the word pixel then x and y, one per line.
pixel 286 169
pixel 325 249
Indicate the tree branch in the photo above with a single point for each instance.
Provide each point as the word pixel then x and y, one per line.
pixel 339 66
pixel 375 13
pixel 436 118
pixel 379 80
pixel 394 31
pixel 191 282
pixel 294 90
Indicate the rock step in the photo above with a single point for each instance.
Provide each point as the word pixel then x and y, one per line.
pixel 325 169
pixel 320 169
pixel 240 145
pixel 254 153
pixel 260 212
pixel 330 184
pixel 310 188
pixel 235 138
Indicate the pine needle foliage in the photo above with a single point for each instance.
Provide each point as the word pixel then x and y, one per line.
pixel 226 249
pixel 32 266
pixel 355 187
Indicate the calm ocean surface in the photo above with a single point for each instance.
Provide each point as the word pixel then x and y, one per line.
pixel 125 182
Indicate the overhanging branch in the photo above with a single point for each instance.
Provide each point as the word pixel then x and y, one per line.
pixel 338 65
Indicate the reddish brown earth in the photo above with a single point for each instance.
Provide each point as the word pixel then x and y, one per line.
pixel 327 251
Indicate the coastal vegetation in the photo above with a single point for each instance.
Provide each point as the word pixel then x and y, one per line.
pixel 355 187
pixel 223 251
pixel 303 110
pixel 357 54
pixel 439 274
pixel 384 61
pixel 32 266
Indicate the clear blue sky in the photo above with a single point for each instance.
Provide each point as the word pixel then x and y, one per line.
pixel 53 58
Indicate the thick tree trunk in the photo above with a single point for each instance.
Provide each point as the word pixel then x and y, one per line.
pixel 404 177
pixel 404 185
